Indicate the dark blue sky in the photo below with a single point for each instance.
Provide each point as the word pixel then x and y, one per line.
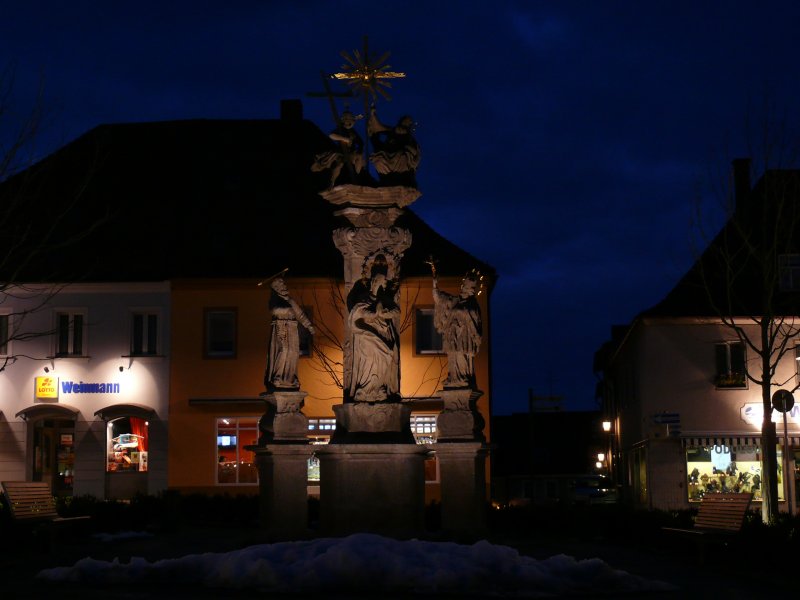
pixel 565 143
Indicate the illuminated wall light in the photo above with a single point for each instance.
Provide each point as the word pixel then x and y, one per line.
pixel 601 457
pixel 606 426
pixel 599 465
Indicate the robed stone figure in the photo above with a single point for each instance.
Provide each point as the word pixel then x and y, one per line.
pixel 374 340
pixel 458 319
pixel 284 343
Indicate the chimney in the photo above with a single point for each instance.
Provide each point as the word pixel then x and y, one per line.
pixel 741 181
pixel 291 110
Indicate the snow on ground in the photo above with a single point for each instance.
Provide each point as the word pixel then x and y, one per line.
pixel 369 564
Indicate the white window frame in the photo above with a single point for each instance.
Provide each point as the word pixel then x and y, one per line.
pixel 145 313
pixel 208 352
pixel 238 461
pixel 426 311
pixel 6 345
pixel 71 313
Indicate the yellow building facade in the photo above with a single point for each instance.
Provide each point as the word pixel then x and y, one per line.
pixel 217 396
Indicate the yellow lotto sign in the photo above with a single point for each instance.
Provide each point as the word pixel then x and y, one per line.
pixel 47 387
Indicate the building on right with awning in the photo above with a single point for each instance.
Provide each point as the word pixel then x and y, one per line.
pixel 682 384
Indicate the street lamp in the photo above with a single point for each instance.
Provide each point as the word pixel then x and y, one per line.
pixel 606 426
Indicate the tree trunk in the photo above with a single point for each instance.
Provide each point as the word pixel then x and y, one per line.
pixel 769 462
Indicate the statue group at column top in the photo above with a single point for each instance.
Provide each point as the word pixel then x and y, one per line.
pixel 395 156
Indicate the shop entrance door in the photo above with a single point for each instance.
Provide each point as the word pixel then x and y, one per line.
pixel 54 454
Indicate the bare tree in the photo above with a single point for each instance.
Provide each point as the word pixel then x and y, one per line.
pixel 328 346
pixel 27 234
pixel 747 274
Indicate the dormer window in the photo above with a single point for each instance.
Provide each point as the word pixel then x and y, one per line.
pixel 789 272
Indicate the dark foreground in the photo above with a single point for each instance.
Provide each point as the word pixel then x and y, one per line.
pixel 757 564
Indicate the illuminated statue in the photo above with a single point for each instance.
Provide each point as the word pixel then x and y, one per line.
pixel 458 319
pixel 397 154
pixel 349 149
pixel 284 343
pixel 374 341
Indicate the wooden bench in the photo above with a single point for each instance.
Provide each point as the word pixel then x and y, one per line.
pixel 719 518
pixel 32 503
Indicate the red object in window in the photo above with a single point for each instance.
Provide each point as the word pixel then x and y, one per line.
pixel 139 428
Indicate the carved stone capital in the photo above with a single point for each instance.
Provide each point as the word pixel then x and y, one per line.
pixel 368 217
pixel 363 241
pixel 371 197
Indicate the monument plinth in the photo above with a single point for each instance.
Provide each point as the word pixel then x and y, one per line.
pixel 460 419
pixel 372 474
pixel 377 488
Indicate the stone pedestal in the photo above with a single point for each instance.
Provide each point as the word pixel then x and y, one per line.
pixel 377 488
pixel 283 421
pixel 283 477
pixel 462 471
pixel 362 422
pixel 460 419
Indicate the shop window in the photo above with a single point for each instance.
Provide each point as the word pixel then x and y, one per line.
pixel 730 361
pixel 423 426
pixel 426 339
pixel 70 334
pixel 4 342
pixel 319 434
pixel 144 334
pixel 235 463
pixel 730 469
pixel 797 361
pixel 789 272
pixel 220 333
pixel 127 445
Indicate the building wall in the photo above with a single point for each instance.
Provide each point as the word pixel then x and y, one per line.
pixel 143 381
pixel 675 370
pixel 214 385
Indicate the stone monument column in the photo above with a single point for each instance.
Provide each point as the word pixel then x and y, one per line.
pixel 460 445
pixel 372 473
pixel 372 247
pixel 283 450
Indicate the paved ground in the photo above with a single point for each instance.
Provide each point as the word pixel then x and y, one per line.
pixel 729 575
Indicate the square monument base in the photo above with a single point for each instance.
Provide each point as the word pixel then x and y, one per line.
pixel 376 488
pixel 283 501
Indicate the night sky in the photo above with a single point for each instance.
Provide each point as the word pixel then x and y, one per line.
pixel 565 143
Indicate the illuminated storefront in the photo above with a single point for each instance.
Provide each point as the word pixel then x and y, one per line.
pixel 84 408
pixel 723 468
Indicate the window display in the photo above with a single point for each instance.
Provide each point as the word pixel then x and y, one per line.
pixel 236 464
pixel 721 468
pixel 127 445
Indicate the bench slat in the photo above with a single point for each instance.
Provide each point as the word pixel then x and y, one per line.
pixel 30 500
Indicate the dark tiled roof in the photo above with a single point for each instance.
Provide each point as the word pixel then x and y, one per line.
pixel 727 278
pixel 186 199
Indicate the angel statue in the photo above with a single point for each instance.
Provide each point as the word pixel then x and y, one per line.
pixel 397 154
pixel 349 151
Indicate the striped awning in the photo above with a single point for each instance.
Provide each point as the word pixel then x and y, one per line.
pixel 735 441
